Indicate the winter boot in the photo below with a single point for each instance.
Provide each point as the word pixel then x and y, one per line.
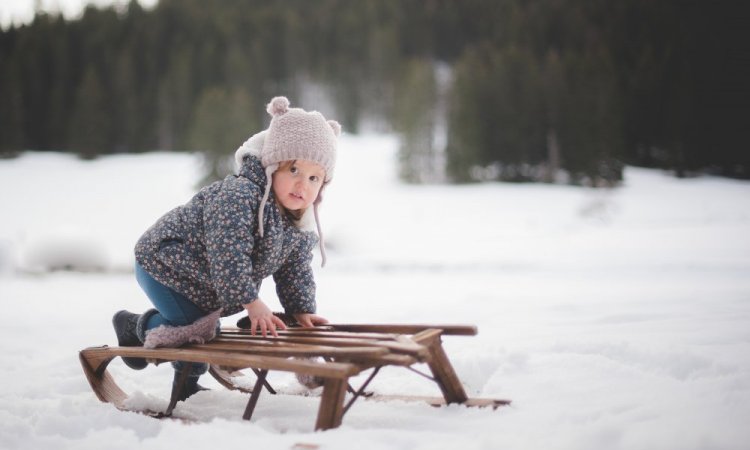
pixel 129 328
pixel 191 385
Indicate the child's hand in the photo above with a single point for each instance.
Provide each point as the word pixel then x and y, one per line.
pixel 310 320
pixel 262 318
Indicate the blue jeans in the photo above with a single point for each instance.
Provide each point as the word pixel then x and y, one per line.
pixel 174 310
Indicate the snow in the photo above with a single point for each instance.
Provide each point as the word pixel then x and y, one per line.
pixel 613 318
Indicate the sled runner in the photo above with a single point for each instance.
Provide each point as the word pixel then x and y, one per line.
pixel 328 355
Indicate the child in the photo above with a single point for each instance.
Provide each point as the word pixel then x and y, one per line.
pixel 208 257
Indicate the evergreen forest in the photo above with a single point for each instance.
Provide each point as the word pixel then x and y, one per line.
pixel 564 91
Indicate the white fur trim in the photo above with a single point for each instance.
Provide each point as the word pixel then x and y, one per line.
pixel 307 221
pixel 262 208
pixel 198 332
pixel 252 146
pixel 309 381
pixel 335 126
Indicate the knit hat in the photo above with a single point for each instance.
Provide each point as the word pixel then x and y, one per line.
pixel 294 134
pixel 297 134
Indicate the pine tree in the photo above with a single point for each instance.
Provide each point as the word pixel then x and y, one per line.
pixel 89 129
pixel 414 120
pixel 222 122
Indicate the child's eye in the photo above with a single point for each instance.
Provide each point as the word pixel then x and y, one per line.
pixel 293 169
pixel 314 178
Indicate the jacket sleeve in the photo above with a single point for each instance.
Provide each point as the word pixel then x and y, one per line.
pixel 295 283
pixel 229 225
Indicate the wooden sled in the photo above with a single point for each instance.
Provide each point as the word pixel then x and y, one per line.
pixel 331 353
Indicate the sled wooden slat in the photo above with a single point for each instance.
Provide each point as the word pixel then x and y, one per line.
pixel 372 354
pixel 228 358
pixel 448 330
pixel 409 348
pixel 295 351
pixel 242 341
pixel 326 333
pixel 332 354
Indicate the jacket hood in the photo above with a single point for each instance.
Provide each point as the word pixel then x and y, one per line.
pixel 252 169
pixel 247 158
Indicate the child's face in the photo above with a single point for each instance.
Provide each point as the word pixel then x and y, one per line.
pixel 296 184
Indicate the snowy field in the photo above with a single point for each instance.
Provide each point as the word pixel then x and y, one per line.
pixel 614 319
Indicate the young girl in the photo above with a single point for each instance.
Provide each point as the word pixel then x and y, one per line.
pixel 207 258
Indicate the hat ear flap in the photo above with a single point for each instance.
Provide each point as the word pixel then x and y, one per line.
pixel 278 106
pixel 335 126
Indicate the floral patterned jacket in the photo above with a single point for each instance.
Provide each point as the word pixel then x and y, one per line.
pixel 210 249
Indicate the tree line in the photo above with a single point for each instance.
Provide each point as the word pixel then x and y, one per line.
pixel 523 90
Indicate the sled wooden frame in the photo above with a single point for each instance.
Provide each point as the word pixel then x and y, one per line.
pixel 331 353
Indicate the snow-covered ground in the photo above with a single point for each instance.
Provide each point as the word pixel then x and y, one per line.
pixel 614 319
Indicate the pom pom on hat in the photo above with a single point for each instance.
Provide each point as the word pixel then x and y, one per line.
pixel 335 126
pixel 278 106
